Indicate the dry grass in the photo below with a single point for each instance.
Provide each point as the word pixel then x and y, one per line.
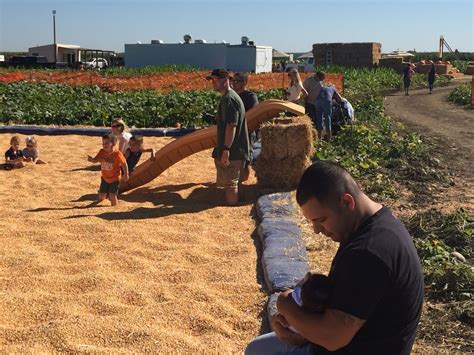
pixel 166 270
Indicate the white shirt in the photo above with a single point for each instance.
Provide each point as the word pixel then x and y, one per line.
pixel 124 141
pixel 295 92
pixel 349 108
pixel 296 294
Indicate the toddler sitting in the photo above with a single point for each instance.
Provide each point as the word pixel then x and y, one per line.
pixel 31 152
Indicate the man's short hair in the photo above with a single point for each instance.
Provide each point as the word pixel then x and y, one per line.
pixel 326 181
pixel 242 76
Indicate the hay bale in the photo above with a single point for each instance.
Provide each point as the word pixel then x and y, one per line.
pixel 287 137
pixel 280 174
pixel 273 141
pixel 299 137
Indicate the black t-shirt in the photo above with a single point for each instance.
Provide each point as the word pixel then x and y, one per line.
pixel 12 154
pixel 249 99
pixel 132 160
pixel 376 276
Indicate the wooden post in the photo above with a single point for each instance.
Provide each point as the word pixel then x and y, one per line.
pixel 472 91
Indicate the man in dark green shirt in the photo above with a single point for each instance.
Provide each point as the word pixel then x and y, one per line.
pixel 233 147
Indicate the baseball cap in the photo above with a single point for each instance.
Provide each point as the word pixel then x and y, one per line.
pixel 218 74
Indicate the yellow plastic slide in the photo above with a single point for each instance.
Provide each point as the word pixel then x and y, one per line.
pixel 200 140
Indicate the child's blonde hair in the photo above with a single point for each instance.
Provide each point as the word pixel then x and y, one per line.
pixel 295 76
pixel 14 139
pixel 119 121
pixel 31 140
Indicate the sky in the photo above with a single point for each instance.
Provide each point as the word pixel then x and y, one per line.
pixel 291 25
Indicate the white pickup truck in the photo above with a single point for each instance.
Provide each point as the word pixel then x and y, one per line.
pixel 302 64
pixel 96 63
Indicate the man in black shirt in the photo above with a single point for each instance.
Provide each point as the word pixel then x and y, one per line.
pixel 239 84
pixel 376 277
pixel 250 99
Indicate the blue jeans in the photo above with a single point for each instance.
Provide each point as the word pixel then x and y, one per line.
pixel 270 344
pixel 324 108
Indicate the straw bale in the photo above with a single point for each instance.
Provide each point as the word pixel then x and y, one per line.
pixel 299 137
pixel 273 141
pixel 280 174
pixel 287 137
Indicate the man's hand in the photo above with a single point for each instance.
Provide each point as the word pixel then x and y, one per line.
pixel 280 326
pixel 125 178
pixel 225 158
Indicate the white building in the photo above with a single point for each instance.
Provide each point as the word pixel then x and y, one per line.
pixel 66 53
pixel 244 57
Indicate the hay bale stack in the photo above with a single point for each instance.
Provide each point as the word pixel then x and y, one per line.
pixel 287 146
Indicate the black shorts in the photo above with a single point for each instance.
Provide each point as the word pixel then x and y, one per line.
pixel 106 187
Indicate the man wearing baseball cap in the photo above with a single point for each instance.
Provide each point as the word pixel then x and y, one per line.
pixel 233 147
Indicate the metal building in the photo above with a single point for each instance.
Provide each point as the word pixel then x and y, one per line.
pixel 244 57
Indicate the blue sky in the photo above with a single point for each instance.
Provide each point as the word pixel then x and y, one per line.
pixel 292 25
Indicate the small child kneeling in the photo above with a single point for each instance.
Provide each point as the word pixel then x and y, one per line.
pixel 113 165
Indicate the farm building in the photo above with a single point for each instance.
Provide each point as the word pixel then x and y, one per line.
pixel 244 57
pixel 68 53
pixel 347 54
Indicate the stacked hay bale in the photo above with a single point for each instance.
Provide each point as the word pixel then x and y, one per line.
pixel 287 146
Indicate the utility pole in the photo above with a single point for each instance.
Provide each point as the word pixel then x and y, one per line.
pixel 54 34
pixel 441 45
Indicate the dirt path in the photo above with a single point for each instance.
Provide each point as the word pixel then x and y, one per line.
pixel 451 127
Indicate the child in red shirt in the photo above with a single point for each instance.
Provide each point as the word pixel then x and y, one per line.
pixel 113 165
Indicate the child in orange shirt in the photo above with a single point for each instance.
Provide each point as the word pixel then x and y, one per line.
pixel 113 165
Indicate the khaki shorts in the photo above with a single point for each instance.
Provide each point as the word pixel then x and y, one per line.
pixel 229 176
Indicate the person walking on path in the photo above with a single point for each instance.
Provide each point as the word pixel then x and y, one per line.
pixel 233 147
pixel 376 277
pixel 408 72
pixel 431 77
pixel 312 85
pixel 250 100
